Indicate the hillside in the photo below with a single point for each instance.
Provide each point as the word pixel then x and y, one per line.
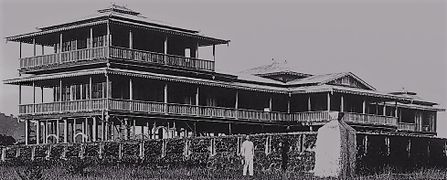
pixel 9 125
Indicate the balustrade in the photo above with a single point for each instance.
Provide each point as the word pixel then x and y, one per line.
pixel 64 57
pixel 406 126
pixel 201 111
pixel 159 58
pixel 115 52
pixel 370 119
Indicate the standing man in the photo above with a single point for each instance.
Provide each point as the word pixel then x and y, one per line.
pixel 248 152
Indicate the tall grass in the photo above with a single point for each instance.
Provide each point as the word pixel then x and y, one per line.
pixel 139 172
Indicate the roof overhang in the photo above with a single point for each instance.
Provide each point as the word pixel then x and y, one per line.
pixel 202 39
pixel 28 80
pixel 346 90
pixel 28 37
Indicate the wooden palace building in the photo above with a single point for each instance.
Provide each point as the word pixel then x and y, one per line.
pixel 117 75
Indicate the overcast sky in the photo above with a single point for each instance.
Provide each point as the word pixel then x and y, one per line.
pixel 390 44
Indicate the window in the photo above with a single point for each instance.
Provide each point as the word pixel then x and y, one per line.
pixel 98 90
pixel 66 93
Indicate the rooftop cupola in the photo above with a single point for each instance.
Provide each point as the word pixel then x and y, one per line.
pixel 119 9
pixel 277 70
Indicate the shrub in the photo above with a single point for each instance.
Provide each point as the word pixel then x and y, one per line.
pixel 78 165
pixel 6 140
pixel 30 172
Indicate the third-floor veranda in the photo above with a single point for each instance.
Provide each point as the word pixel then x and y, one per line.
pixel 114 41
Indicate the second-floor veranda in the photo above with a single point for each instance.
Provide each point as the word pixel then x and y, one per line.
pixel 116 40
pixel 186 97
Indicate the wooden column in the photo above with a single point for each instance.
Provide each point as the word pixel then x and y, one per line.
pixel 131 93
pixel 103 129
pixel 20 50
pixel 130 89
pixel 197 95
pixel 270 104
pixel 94 129
pixel 236 104
pixel 57 130
pixel 195 129
pixel 43 49
pixel 41 90
pixel 111 127
pixel 34 93
pixel 106 128
pixel 130 40
pixel 364 107
pixel 26 132
pixel 342 103
pixel 85 129
pixel 214 52
pixel 34 47
pixel 165 49
pixel 197 50
pixel 384 108
pixel 20 94
pixel 81 93
pixel 148 130
pixel 91 40
pixel 60 95
pixel 107 91
pixel 38 132
pixel 90 91
pixel 377 108
pixel 125 127
pixel 154 127
pixel 288 103
pixel 229 129
pixel 45 131
pixel 133 128
pixel 74 130
pixel 60 47
pixel 109 35
pixel 328 101
pixel 165 97
pixel 395 110
pixel 65 130
pixel 197 100
pixel 34 97
pixel 309 104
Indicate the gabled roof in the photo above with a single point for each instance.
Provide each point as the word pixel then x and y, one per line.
pixel 328 78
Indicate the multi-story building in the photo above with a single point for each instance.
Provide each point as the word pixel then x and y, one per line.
pixel 118 75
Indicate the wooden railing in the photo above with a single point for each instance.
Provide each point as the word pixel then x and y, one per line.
pixel 118 53
pixel 159 58
pixel 406 126
pixel 64 57
pixel 151 107
pixel 370 119
pixel 311 116
pixel 136 105
pixel 64 106
pixel 83 54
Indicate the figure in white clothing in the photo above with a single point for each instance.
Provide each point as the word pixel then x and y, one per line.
pixel 248 152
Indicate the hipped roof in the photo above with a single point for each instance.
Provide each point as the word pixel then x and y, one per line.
pixel 120 15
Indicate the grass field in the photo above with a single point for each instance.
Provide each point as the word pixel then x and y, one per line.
pixel 126 172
